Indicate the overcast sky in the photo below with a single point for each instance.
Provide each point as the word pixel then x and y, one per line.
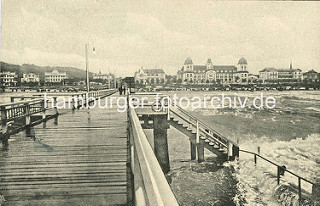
pixel 160 34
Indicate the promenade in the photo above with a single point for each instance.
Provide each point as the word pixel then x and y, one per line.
pixel 79 161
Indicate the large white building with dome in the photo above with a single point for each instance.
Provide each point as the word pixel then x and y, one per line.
pixel 209 73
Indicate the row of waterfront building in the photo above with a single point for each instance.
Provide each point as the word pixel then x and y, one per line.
pixel 54 77
pixel 225 74
pixel 189 73
pixel 11 78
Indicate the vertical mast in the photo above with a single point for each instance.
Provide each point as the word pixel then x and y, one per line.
pixel 87 68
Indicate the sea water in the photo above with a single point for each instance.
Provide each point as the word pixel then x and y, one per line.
pixel 288 134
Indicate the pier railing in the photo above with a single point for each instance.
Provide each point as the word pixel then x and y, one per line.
pixel 150 184
pixel 204 131
pixel 23 110
pixel 281 171
pixel 20 109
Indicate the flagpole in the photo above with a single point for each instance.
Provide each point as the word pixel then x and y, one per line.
pixel 87 68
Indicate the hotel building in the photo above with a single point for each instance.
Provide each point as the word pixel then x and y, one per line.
pixel 209 73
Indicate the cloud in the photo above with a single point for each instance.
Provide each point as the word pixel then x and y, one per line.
pixel 163 34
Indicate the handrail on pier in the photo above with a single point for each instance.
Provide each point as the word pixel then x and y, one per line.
pixel 150 184
pixel 21 102
pixel 280 171
pixel 215 133
pixel 25 109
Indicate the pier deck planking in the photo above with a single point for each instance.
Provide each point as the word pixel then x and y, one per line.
pixel 80 161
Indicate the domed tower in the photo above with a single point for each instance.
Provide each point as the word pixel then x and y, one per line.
pixel 188 65
pixel 209 64
pixel 242 65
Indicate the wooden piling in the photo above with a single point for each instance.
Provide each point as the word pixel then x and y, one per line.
pixel 200 151
pixel 193 150
pixel 299 190
pixel 316 194
pixel 161 141
pixel 235 152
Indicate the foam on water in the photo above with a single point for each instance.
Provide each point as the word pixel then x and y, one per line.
pixel 314 108
pixel 257 183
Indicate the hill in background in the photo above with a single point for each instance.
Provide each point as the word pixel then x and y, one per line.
pixel 72 72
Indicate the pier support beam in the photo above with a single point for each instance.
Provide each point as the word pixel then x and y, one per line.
pixel 316 194
pixel 193 150
pixel 200 150
pixel 233 151
pixel 161 141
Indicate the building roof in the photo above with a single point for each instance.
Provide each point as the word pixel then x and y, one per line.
pixel 154 71
pixel 311 72
pixel 188 61
pixel 209 61
pixel 199 68
pixel 242 61
pixel 241 72
pixel 270 69
pixel 224 67
pixel 55 72
pixel 288 70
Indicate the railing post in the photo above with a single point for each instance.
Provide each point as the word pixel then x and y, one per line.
pixel 73 103
pixel 278 175
pixel 43 104
pixel 230 150
pixel 55 109
pixel 197 133
pixel 83 97
pixel 255 159
pixel 4 126
pixel 299 190
pixel 27 114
